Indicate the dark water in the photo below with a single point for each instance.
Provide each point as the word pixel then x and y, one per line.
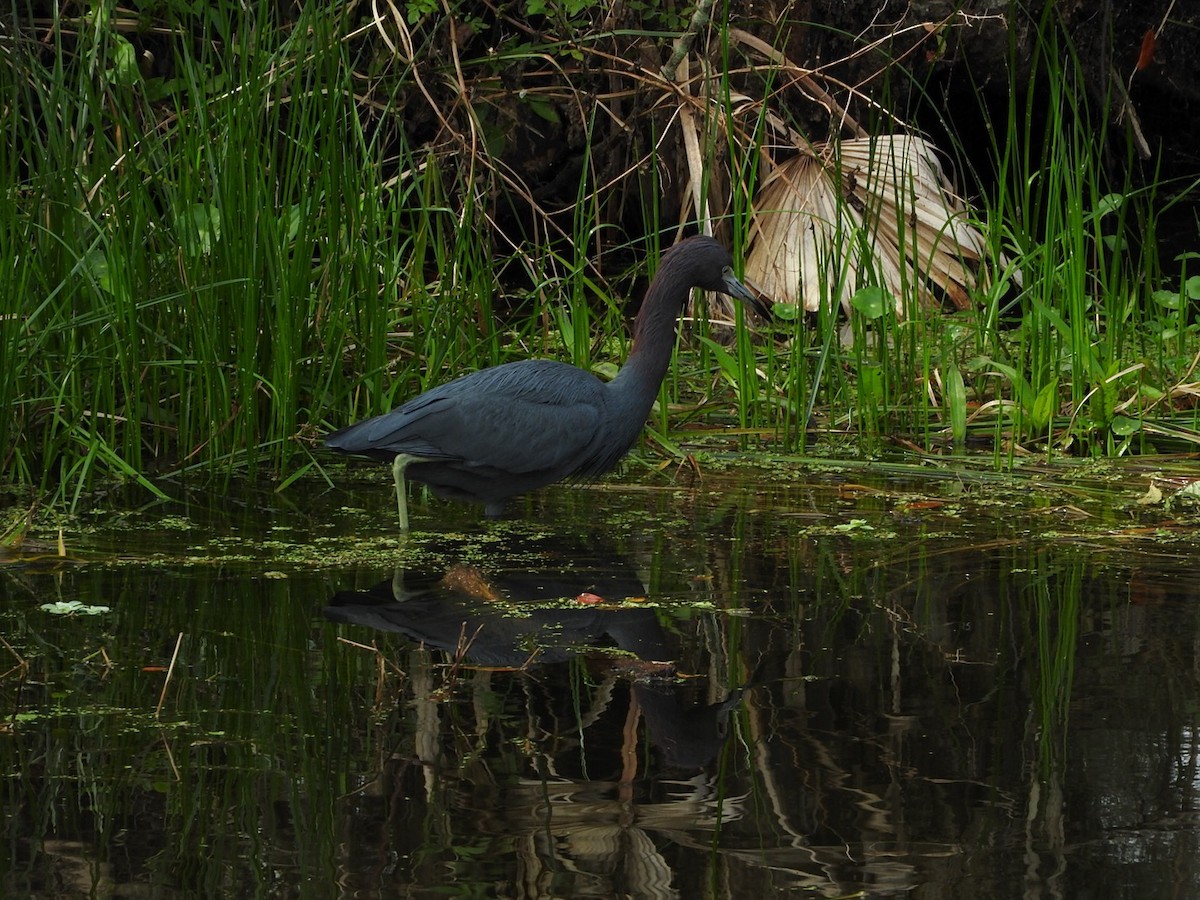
pixel 850 685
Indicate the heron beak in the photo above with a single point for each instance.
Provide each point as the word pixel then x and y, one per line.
pixel 735 288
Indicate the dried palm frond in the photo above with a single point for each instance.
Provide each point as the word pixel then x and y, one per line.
pixel 873 210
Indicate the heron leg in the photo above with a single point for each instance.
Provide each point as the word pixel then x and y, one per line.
pixel 398 466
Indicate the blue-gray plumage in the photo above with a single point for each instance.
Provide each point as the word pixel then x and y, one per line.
pixel 500 432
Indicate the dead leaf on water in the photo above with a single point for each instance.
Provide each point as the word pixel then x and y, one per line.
pixel 1152 497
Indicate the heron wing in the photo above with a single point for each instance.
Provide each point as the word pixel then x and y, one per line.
pixel 530 416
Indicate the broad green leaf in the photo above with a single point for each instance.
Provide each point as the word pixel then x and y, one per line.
pixel 73 607
pixel 870 302
pixel 1109 203
pixel 1191 287
pixel 1045 405
pixel 1166 299
pixel 955 401
pixel 543 108
pixel 726 360
pixel 124 69
pixel 96 263
pixel 199 228
pixel 1123 426
pixel 870 381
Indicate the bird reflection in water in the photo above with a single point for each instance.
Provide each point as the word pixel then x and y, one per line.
pixel 537 752
pixel 520 618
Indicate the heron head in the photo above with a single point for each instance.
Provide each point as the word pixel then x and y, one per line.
pixel 710 266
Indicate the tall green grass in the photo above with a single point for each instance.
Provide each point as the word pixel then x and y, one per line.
pixel 204 266
pixel 188 247
pixel 1065 352
pixel 214 257
pixel 1073 356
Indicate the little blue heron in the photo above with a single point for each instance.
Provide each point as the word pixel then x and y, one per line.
pixel 503 431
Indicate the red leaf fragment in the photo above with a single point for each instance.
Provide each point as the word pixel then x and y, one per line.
pixel 1146 54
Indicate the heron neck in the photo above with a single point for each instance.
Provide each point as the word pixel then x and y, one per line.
pixel 653 339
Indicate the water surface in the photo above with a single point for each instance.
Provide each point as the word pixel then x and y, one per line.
pixel 761 684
